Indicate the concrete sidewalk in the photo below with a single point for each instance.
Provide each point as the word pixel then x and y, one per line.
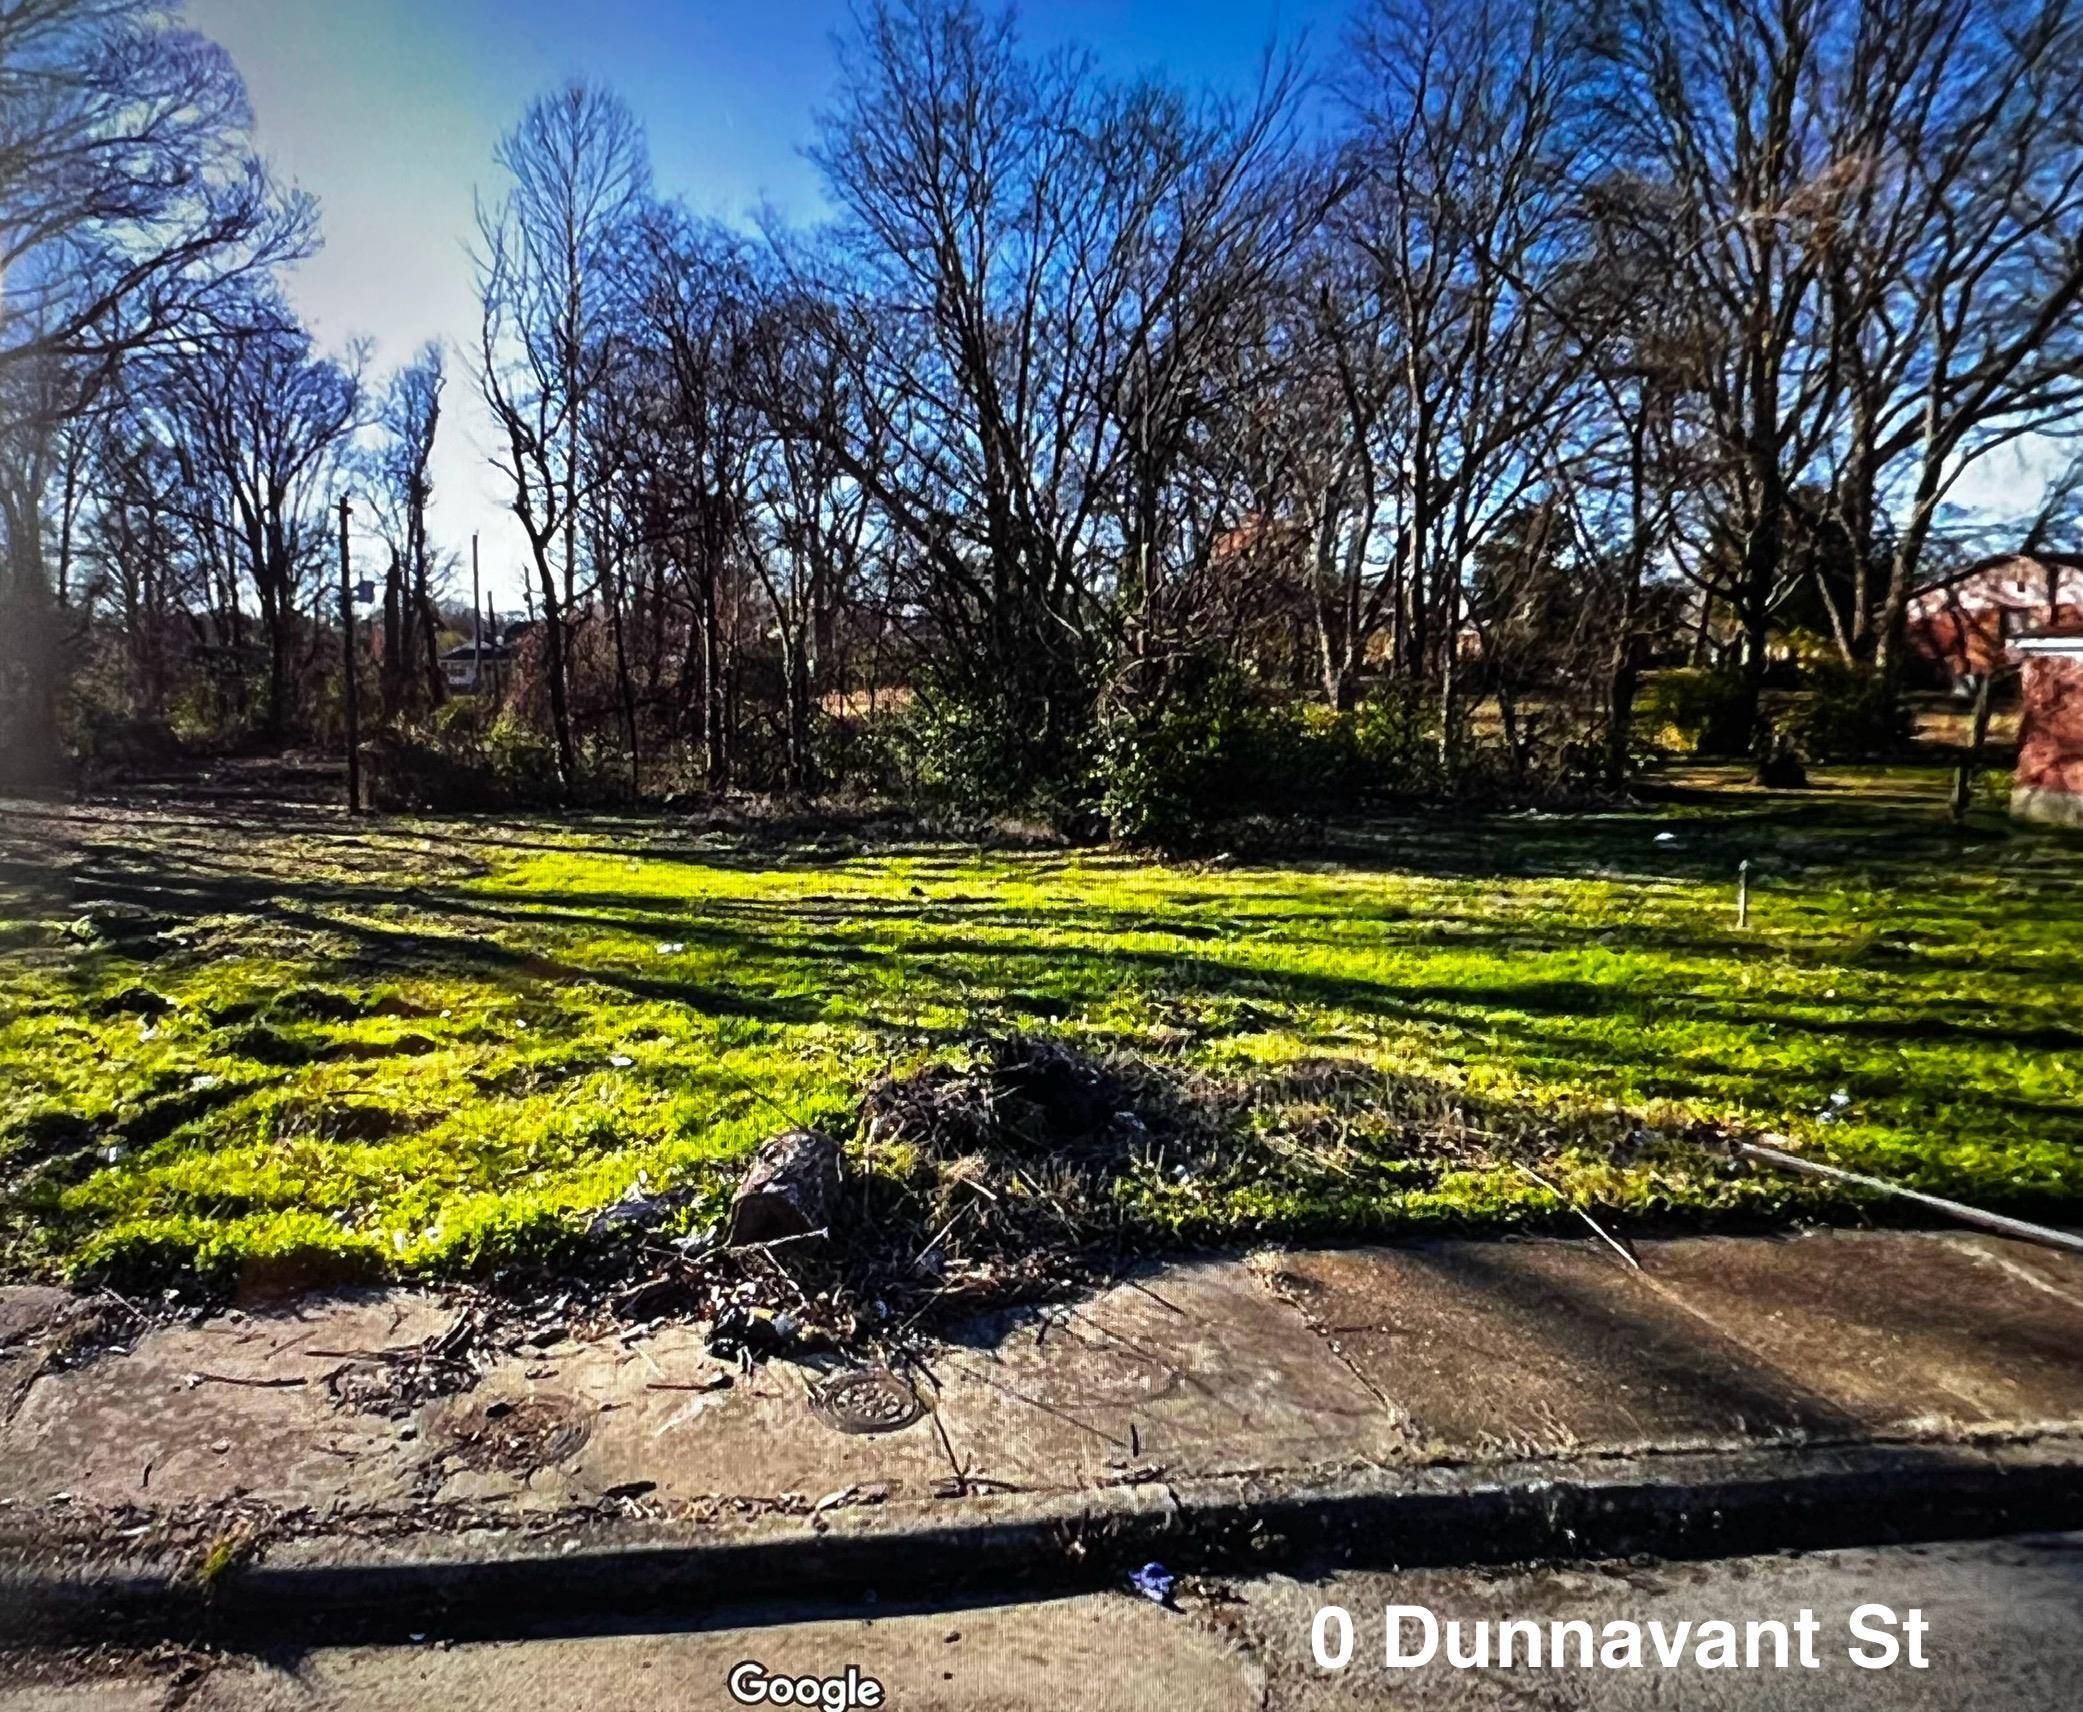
pixel 1234 1385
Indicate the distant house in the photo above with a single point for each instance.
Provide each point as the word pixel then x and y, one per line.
pixel 495 654
pixel 1974 623
pixel 2048 784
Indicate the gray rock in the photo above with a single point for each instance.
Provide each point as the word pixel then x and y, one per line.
pixel 791 1191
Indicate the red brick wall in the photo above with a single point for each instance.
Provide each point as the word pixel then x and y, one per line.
pixel 1961 642
pixel 2050 730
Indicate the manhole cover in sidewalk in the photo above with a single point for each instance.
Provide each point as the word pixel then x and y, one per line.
pixel 516 1433
pixel 873 1400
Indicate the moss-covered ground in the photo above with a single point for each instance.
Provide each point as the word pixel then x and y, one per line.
pixel 230 1034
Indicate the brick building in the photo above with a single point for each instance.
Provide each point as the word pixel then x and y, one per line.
pixel 2048 784
pixel 1974 623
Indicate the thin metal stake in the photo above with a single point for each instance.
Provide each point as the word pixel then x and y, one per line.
pixel 349 695
pixel 2045 1235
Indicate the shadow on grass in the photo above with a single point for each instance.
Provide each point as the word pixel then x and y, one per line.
pixel 385 900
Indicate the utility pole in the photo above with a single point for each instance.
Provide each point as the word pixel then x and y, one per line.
pixel 354 757
pixel 477 648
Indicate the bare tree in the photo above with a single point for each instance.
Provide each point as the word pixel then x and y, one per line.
pixel 410 416
pixel 549 284
pixel 1463 218
pixel 1949 243
pixel 129 201
pixel 1041 265
pixel 1710 109
pixel 808 521
pixel 130 209
pixel 271 421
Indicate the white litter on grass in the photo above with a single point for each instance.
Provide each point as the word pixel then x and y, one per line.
pixel 621 1060
pixel 1667 838
pixel 671 947
pixel 1154 1582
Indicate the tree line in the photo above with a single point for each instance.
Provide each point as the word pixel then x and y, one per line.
pixel 1441 384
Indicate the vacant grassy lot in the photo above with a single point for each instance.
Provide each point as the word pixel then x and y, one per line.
pixel 228 1034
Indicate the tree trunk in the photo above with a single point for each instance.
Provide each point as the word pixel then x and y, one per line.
pixel 554 652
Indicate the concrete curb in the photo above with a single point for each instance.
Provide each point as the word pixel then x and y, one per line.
pixel 495 1583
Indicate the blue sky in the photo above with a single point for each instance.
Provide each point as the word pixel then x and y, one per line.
pixel 387 111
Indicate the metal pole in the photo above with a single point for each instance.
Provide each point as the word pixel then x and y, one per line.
pixel 477 624
pixel 354 758
pixel 2045 1235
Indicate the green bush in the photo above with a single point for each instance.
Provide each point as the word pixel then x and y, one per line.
pixel 1217 754
pixel 1162 780
pixel 1844 713
pixel 521 760
pixel 980 756
pixel 1706 710
pixel 447 768
pixel 1395 735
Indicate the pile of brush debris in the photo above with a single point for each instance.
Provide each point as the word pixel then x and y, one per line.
pixel 1012 1157
pixel 990 1177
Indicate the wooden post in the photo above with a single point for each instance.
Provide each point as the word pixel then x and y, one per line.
pixel 1978 734
pixel 1743 894
pixel 354 740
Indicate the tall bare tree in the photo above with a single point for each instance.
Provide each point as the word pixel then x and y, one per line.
pixel 1464 215
pixel 1041 264
pixel 403 461
pixel 271 421
pixel 553 303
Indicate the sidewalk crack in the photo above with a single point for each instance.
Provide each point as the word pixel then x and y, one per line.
pixel 1287 1298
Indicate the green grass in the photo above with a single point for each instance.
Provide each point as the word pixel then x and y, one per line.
pixel 429 1046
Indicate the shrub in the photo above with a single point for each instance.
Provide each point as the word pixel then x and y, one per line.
pixel 1704 710
pixel 1161 779
pixel 1396 738
pixel 521 760
pixel 446 768
pixel 1845 713
pixel 1216 754
pixel 982 756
